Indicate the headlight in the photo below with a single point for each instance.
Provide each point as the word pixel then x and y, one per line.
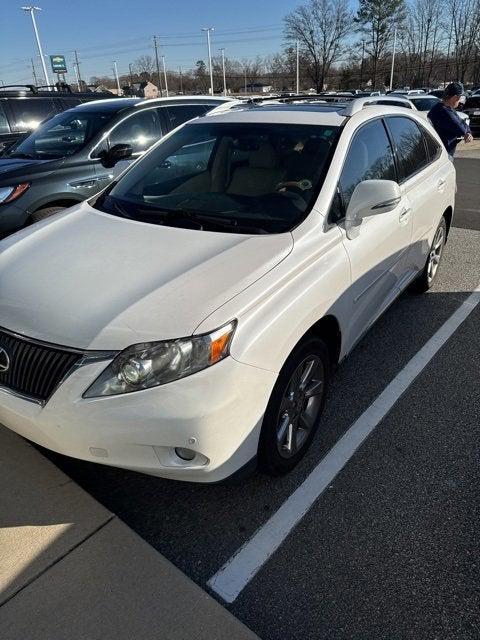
pixel 151 364
pixel 8 194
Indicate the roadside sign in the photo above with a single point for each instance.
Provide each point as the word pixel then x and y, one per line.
pixel 58 64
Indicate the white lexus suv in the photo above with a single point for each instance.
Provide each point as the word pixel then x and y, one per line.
pixel 186 321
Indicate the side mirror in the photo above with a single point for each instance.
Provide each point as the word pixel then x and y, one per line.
pixel 115 154
pixel 370 198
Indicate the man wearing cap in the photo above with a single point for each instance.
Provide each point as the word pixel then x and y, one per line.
pixel 445 119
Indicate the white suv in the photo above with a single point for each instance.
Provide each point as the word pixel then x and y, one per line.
pixel 187 320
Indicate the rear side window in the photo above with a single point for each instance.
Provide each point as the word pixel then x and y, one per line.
pixel 409 146
pixel 177 115
pixel 432 145
pixel 69 103
pixel 28 113
pixel 4 126
pixel 370 157
pixel 472 103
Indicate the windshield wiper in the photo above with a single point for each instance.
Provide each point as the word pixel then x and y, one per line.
pixel 231 224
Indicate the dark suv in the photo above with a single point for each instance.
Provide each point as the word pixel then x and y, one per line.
pixel 472 109
pixel 80 151
pixel 23 107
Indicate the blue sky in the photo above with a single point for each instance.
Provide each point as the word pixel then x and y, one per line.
pixel 102 30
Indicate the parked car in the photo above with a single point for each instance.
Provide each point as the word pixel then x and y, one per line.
pixel 186 321
pixel 406 92
pixel 439 93
pixel 423 104
pixel 471 109
pixel 23 107
pixel 80 151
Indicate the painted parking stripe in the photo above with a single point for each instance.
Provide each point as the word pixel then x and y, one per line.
pixel 237 572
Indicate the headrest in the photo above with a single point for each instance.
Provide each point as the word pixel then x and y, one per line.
pixel 264 157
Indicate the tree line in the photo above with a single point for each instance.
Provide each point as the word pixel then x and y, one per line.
pixel 435 41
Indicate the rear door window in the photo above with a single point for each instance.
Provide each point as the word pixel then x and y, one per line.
pixel 409 146
pixel 178 114
pixel 28 113
pixel 4 126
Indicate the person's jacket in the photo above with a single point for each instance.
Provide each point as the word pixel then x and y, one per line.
pixel 448 125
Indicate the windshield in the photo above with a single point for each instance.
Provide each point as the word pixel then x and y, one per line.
pixel 61 136
pixel 240 178
pixel 424 104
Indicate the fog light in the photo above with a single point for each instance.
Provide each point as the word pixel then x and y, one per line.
pixel 185 454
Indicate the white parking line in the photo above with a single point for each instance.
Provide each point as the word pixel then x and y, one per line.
pixel 237 572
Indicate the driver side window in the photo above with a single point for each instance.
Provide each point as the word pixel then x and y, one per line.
pixel 370 157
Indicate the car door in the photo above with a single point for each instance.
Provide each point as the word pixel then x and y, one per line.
pixel 422 181
pixel 378 254
pixel 140 130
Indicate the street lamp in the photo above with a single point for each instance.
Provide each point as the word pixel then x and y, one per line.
pixel 223 68
pixel 208 29
pixel 165 75
pixel 115 71
pixel 31 11
pixel 393 57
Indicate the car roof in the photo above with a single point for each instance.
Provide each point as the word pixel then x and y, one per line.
pixel 116 104
pixel 304 113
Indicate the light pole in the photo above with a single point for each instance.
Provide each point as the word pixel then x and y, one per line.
pixel 131 77
pixel 361 65
pixel 223 69
pixel 298 68
pixel 155 45
pixel 165 75
pixel 208 29
pixel 115 70
pixel 393 57
pixel 181 80
pixel 77 65
pixel 31 10
pixel 245 70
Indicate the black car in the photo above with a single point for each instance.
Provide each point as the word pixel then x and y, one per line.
pixel 79 152
pixel 23 107
pixel 472 109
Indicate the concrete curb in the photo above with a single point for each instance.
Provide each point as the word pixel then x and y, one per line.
pixel 71 569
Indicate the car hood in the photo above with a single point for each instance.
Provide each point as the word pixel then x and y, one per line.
pixel 89 280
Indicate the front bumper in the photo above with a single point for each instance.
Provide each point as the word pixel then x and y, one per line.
pixel 217 413
pixel 12 217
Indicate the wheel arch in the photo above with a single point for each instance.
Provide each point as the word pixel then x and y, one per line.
pixel 59 202
pixel 448 215
pixel 328 329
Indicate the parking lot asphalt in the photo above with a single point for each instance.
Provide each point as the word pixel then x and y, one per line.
pixel 390 549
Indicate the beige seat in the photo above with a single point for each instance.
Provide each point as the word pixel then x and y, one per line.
pixel 261 176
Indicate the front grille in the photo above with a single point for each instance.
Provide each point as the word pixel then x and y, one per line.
pixel 31 368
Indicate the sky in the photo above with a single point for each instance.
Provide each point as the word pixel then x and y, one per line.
pixel 104 30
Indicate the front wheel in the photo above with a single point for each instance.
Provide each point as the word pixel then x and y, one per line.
pixel 295 407
pixel 426 279
pixel 41 214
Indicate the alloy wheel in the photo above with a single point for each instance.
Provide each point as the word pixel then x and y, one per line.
pixel 435 254
pixel 300 406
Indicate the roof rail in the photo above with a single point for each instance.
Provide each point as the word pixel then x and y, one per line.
pixel 28 87
pixel 357 104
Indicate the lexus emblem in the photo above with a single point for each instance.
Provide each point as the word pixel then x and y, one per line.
pixel 4 360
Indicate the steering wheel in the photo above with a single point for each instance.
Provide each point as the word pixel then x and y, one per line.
pixel 295 186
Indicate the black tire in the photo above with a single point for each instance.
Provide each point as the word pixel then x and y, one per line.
pixel 41 214
pixel 426 279
pixel 273 457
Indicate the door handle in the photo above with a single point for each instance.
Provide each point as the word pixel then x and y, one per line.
pixel 404 214
pixel 441 184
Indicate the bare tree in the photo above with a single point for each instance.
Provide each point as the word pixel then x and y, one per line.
pixel 464 15
pixel 321 27
pixel 145 66
pixel 377 20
